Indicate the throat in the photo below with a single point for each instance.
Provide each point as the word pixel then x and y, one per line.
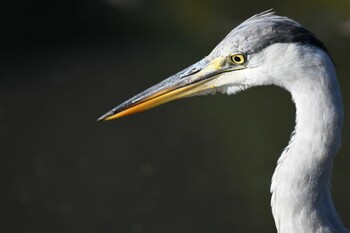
pixel 301 198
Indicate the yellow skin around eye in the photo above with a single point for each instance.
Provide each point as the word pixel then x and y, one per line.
pixel 237 59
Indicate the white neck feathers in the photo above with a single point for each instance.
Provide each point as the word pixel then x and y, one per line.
pixel 301 199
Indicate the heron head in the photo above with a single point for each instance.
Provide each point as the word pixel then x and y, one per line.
pixel 252 54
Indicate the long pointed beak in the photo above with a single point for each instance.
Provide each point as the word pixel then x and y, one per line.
pixel 190 81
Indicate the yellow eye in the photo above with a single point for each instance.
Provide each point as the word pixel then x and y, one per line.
pixel 237 59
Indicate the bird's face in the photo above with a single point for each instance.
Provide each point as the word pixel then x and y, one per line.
pixel 265 49
pixel 204 77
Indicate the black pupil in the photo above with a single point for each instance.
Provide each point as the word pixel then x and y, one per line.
pixel 237 59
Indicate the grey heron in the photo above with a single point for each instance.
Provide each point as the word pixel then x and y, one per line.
pixel 268 49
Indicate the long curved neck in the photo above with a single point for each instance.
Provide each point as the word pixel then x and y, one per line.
pixel 301 199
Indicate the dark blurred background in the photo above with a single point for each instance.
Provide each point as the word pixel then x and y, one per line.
pixel 196 165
